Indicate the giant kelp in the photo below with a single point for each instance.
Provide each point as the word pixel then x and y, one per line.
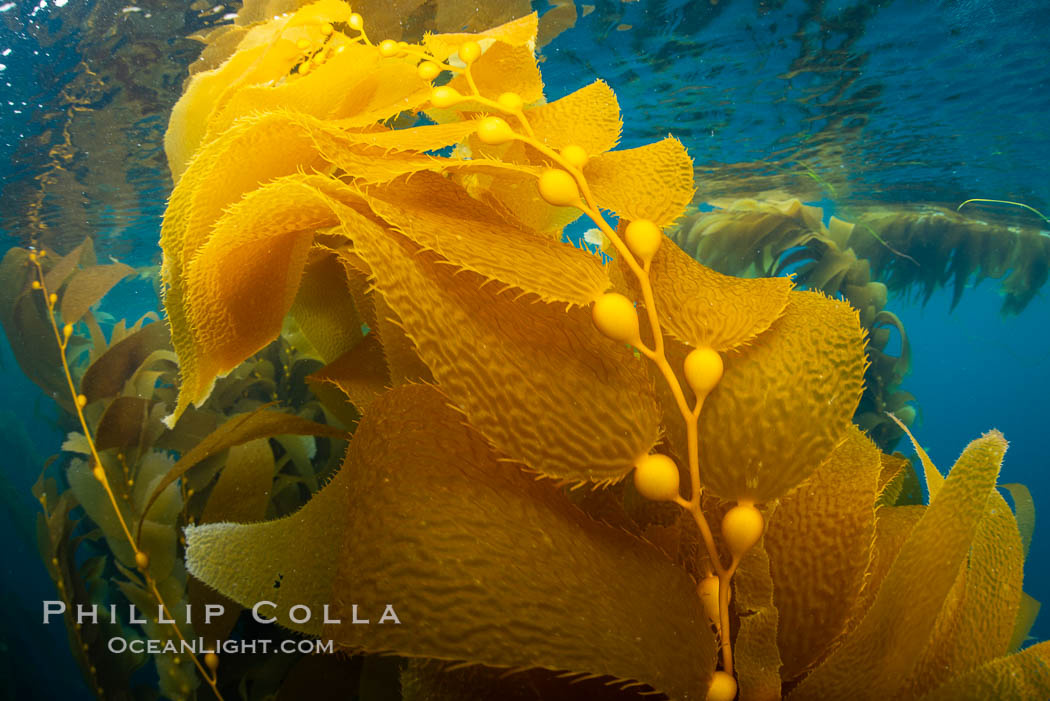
pixel 768 237
pixel 98 139
pixel 881 250
pixel 119 503
pixel 459 251
pixel 493 352
pixel 915 249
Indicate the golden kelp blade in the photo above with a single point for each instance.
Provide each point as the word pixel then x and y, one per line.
pixel 255 150
pixel 898 481
pixel 538 381
pixel 503 68
pixel 399 350
pixel 513 194
pixel 652 182
pixel 242 491
pixel 876 659
pixel 825 526
pixel 338 88
pixel 188 122
pixel 506 572
pixel 243 282
pixel 266 53
pixel 980 629
pixel 260 148
pixel 393 88
pixel 703 308
pixel 589 118
pixel 893 524
pixel 220 175
pixel 518 32
pixel 549 587
pixel 785 401
pixel 429 137
pixel 934 478
pixel 1025 675
pixel 440 216
pixel 360 373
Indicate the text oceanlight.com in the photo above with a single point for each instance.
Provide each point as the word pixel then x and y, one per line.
pixel 229 647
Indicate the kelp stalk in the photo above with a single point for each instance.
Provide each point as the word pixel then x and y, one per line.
pixel 616 317
pixel 209 667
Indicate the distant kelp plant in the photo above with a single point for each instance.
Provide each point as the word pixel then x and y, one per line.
pixel 113 510
pixel 398 209
pixel 903 250
pixel 912 249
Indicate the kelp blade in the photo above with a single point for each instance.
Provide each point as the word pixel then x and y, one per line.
pixel 875 660
pixel 480 562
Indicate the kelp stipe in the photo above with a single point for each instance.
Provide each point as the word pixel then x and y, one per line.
pixel 124 382
pixel 496 350
pixel 72 309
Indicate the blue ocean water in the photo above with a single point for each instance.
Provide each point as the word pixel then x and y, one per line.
pixel 886 102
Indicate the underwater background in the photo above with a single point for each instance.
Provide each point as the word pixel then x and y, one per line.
pixel 843 104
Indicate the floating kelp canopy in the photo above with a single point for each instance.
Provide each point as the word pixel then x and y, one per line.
pixel 925 248
pixel 909 249
pixel 879 250
pixel 90 163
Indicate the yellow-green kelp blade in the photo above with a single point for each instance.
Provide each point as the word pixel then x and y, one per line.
pixel 1024 508
pixel 323 309
pixel 1025 675
pixel 876 659
pixel 1027 612
pixel 241 493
